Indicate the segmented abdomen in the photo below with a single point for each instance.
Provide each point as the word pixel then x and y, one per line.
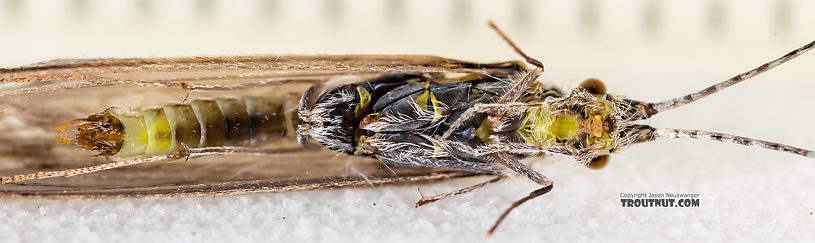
pixel 247 121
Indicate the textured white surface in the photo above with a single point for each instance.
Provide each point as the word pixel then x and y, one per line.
pixel 752 196
pixel 746 193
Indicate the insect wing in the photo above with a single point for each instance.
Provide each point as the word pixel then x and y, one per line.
pixel 35 99
pixel 215 175
pixel 203 73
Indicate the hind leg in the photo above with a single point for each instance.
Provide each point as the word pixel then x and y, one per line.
pixel 426 200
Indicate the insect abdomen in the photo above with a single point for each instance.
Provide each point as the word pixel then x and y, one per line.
pixel 247 121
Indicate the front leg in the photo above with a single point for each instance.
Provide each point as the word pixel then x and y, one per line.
pixel 512 94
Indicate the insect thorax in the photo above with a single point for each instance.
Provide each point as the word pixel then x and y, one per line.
pixel 581 125
pixel 400 119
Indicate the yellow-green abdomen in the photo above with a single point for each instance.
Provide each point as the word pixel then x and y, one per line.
pixel 247 121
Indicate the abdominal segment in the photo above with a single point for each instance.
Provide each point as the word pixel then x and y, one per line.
pixel 172 126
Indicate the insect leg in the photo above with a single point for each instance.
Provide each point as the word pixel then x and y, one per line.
pixel 117 164
pixel 426 200
pixel 519 88
pixel 516 91
pixel 89 169
pixel 532 195
pixel 484 108
pixel 533 175
pixel 522 169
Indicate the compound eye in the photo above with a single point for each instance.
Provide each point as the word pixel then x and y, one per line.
pixel 598 162
pixel 594 86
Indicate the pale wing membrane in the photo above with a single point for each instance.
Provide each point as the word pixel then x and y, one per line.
pixel 222 175
pixel 51 93
pixel 37 98
pixel 27 145
pixel 219 73
pixel 260 64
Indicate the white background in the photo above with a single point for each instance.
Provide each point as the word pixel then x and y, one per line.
pixel 646 49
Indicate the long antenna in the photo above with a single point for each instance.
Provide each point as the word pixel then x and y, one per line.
pixel 676 102
pixel 666 133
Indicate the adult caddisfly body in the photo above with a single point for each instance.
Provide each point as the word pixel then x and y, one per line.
pixel 421 117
